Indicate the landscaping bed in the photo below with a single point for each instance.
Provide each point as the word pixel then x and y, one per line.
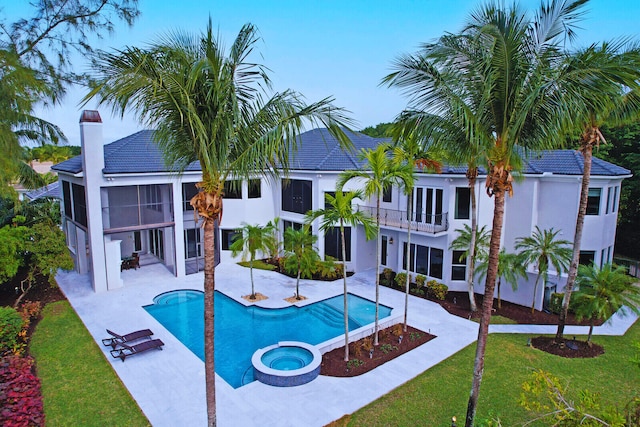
pixel 389 348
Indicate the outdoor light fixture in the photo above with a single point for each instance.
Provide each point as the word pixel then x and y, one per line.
pixel 391 240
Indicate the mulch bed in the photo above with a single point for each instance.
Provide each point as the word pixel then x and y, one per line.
pixel 333 363
pixel 567 347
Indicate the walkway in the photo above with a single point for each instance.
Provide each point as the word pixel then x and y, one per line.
pixel 169 385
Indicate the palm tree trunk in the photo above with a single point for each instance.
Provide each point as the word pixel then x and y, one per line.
pixel 471 175
pixel 587 153
pixel 253 292
pixel 209 324
pixel 590 330
pixel 298 282
pixel 346 300
pixel 375 335
pixel 487 305
pixel 499 299
pixel 406 291
pixel 535 291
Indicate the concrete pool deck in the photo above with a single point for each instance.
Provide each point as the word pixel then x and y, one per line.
pixel 169 385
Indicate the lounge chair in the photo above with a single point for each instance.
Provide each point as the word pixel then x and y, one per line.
pixel 129 350
pixel 119 339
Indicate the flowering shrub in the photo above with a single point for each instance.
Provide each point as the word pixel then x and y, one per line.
pixel 20 397
pixel 437 290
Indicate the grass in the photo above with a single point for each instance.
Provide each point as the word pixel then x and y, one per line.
pixel 79 387
pixel 497 320
pixel 442 392
pixel 258 265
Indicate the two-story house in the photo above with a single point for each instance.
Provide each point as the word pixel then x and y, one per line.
pixel 121 198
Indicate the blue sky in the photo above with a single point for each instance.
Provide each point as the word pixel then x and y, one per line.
pixel 319 48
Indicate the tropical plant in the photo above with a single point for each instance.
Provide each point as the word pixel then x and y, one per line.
pixel 510 268
pixel 339 210
pixel 408 151
pixel 214 107
pixel 274 245
pixel 379 173
pixel 35 67
pixel 498 82
pixel 475 244
pixel 545 251
pixel 614 98
pixel 603 291
pixel 301 253
pixel 249 240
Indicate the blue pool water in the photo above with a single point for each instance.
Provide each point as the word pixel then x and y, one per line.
pixel 240 330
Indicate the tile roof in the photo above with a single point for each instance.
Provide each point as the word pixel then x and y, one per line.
pixel 319 151
pixel 52 190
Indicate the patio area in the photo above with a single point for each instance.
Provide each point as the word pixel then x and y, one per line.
pixel 169 385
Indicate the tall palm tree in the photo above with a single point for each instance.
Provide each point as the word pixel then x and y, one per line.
pixel 340 211
pixel 510 268
pixel 214 107
pixel 408 151
pixel 499 79
pixel 299 243
pixel 250 240
pixel 610 101
pixel 544 250
pixel 378 174
pixel 603 291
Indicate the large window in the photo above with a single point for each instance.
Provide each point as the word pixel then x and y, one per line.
pixel 612 199
pixel 463 203
pixel 233 189
pixel 192 243
pixel 386 195
pixel 255 188
pixel 593 201
pixel 227 238
pixel 296 196
pixel 327 205
pixel 423 260
pixel 79 204
pixel 427 205
pixel 587 257
pixel 333 243
pixel 459 266
pixel 66 197
pixel 189 191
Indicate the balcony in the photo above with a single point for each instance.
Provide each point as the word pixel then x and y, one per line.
pixel 425 223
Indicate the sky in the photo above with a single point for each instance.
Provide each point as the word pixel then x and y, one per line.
pixel 320 48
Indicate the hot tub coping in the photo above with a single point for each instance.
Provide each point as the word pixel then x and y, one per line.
pixel 256 359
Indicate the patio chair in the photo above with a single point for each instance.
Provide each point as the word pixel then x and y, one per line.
pixel 119 339
pixel 129 350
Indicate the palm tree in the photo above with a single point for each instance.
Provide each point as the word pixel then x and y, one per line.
pixel 475 244
pixel 213 107
pixel 250 240
pixel 543 250
pixel 609 101
pixel 602 292
pixel 340 210
pixel 408 151
pixel 510 268
pixel 299 243
pixel 499 82
pixel 379 173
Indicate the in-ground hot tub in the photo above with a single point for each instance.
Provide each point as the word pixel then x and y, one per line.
pixel 286 364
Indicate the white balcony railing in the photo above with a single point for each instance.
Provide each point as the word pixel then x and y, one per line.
pixel 426 223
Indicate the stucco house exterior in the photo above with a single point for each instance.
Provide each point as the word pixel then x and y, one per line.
pixel 120 198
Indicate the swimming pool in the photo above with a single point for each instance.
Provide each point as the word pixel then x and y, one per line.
pixel 241 330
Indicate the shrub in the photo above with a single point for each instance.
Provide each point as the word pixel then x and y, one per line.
pixel 420 279
pixel 555 302
pixel 401 279
pixel 437 290
pixel 388 276
pixel 20 397
pixel 10 326
pixel 327 270
pixel 354 363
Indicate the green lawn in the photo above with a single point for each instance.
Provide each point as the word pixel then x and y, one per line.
pixel 434 397
pixel 79 387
